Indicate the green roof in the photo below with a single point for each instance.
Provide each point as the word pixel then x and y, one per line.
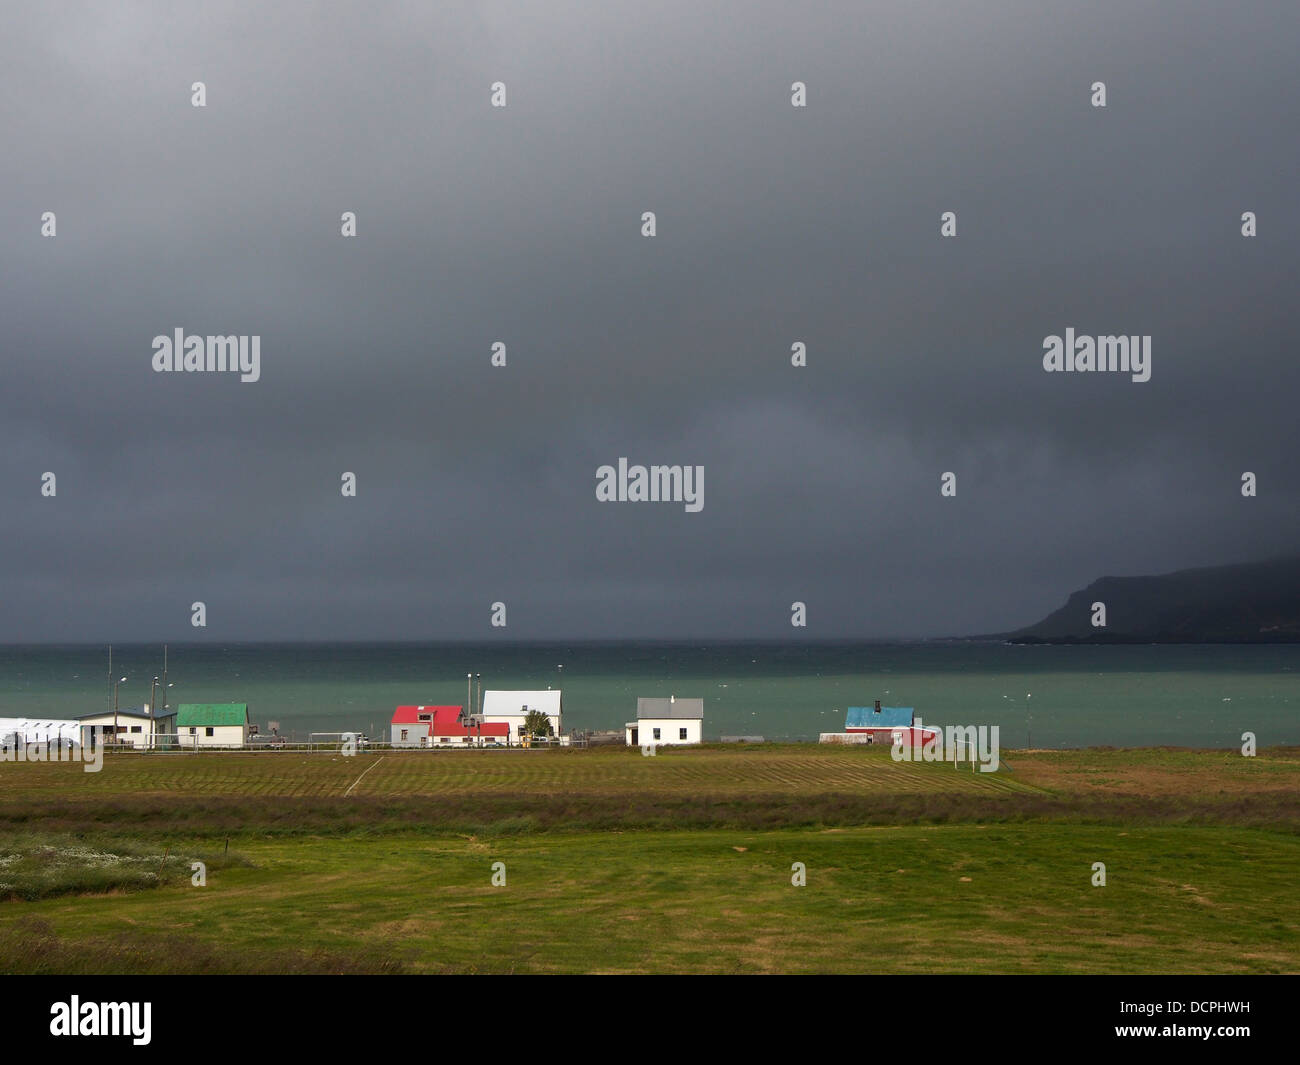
pixel 191 714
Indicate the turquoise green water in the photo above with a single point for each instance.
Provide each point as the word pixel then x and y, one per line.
pixel 1204 696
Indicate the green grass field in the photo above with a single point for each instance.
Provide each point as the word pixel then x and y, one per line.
pixel 678 863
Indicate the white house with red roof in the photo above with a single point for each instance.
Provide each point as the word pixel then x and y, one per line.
pixel 442 726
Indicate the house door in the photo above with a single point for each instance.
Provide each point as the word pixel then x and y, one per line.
pixel 635 740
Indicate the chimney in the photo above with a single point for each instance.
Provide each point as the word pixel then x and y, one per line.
pixel 672 699
pixel 877 706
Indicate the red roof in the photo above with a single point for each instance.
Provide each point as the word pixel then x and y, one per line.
pixel 446 717
pixel 410 715
pixel 446 721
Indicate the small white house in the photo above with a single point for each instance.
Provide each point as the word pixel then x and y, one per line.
pixel 510 708
pixel 666 722
pixel 212 724
pixel 136 727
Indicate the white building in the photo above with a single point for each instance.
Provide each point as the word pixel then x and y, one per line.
pixel 135 726
pixel 666 722
pixel 510 708
pixel 39 730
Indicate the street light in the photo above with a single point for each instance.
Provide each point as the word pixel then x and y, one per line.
pixel 153 715
pixel 478 708
pixel 121 680
pixel 166 688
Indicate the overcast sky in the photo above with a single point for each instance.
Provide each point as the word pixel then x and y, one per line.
pixel 522 225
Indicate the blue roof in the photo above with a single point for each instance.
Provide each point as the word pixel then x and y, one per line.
pixel 889 717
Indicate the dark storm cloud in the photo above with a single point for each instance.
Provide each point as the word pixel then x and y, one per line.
pixel 522 225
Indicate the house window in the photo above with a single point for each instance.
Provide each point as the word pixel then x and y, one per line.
pixel 137 728
pixel 426 717
pixel 403 733
pixel 193 730
pixel 681 734
pixel 656 733
pixel 208 730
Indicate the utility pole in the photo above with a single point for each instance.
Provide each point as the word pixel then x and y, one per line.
pixel 164 691
pixel 115 709
pixel 153 709
pixel 478 705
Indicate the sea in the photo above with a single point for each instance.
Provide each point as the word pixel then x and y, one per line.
pixel 1040 696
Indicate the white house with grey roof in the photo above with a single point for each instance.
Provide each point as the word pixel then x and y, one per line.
pixel 510 708
pixel 666 722
pixel 136 726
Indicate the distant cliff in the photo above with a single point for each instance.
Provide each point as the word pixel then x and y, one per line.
pixel 1256 602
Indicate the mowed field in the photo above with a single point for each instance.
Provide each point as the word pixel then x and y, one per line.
pixel 681 862
pixel 788 770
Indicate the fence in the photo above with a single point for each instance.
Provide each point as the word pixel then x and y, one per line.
pixel 181 745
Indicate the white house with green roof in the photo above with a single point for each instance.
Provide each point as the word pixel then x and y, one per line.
pixel 212 724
